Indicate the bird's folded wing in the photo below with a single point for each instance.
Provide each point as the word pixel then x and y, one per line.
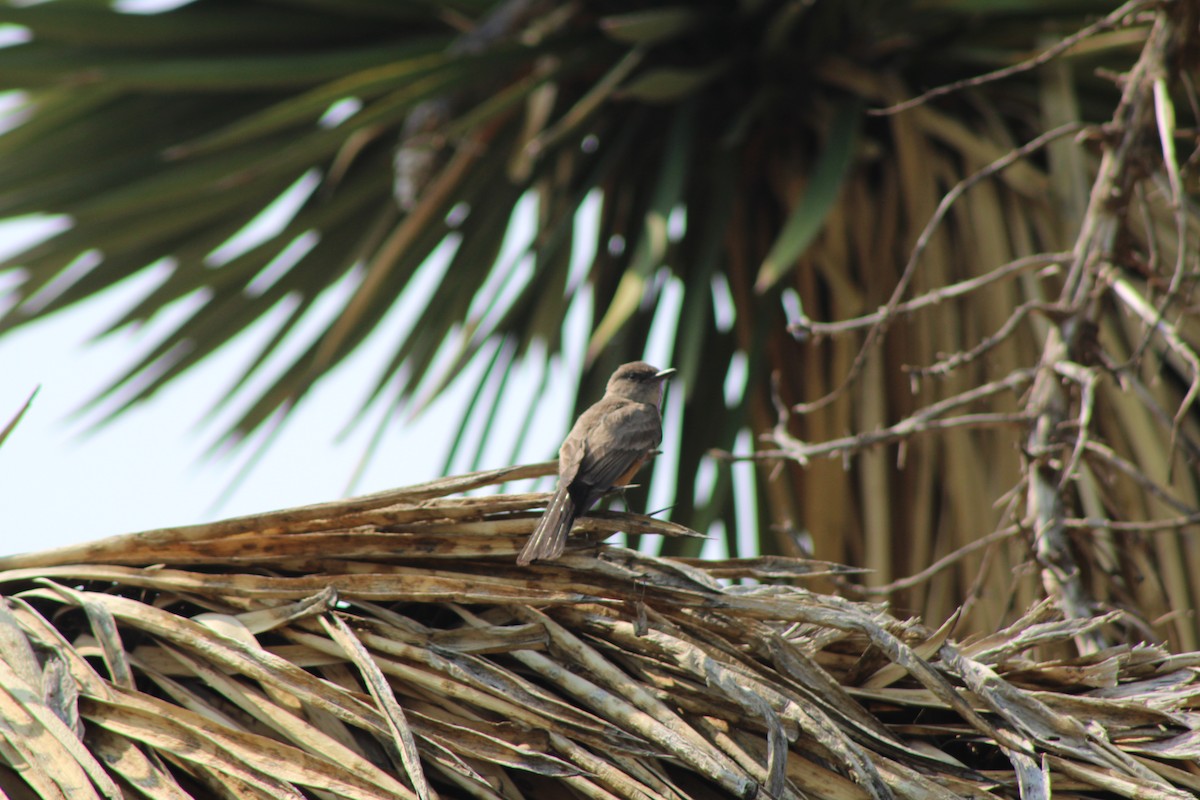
pixel 621 438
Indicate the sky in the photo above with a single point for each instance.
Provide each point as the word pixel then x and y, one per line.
pixel 68 477
pixel 64 478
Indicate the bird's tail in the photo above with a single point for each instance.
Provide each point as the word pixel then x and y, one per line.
pixel 550 536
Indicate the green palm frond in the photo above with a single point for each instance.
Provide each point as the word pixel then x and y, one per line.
pixel 11 425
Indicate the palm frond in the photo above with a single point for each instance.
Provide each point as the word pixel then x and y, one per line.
pixel 389 646
pixel 736 151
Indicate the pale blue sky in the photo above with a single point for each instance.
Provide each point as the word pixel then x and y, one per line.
pixel 63 482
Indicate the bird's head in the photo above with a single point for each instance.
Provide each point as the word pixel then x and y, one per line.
pixel 639 381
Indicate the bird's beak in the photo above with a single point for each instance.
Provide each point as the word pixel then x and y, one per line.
pixel 665 373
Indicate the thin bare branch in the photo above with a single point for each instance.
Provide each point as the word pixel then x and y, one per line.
pixel 927 419
pixel 1113 20
pixel 1138 475
pixel 963 357
pixel 1086 378
pixel 1186 359
pixel 943 563
pixel 887 313
pixel 804 328
pixel 1048 402
pixel 1143 526
pixel 911 426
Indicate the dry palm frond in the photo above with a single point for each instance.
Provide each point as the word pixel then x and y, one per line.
pixel 1021 382
pixel 388 646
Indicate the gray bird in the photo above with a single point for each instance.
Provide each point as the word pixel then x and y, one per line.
pixel 606 447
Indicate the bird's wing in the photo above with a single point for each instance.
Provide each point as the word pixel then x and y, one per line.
pixel 574 447
pixel 620 438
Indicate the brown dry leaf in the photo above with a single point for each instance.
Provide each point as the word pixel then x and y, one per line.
pixel 279 673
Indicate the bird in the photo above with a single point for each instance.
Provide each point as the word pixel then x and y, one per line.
pixel 606 447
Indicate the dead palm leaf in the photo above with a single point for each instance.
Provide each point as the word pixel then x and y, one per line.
pixel 388 646
pixel 742 168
